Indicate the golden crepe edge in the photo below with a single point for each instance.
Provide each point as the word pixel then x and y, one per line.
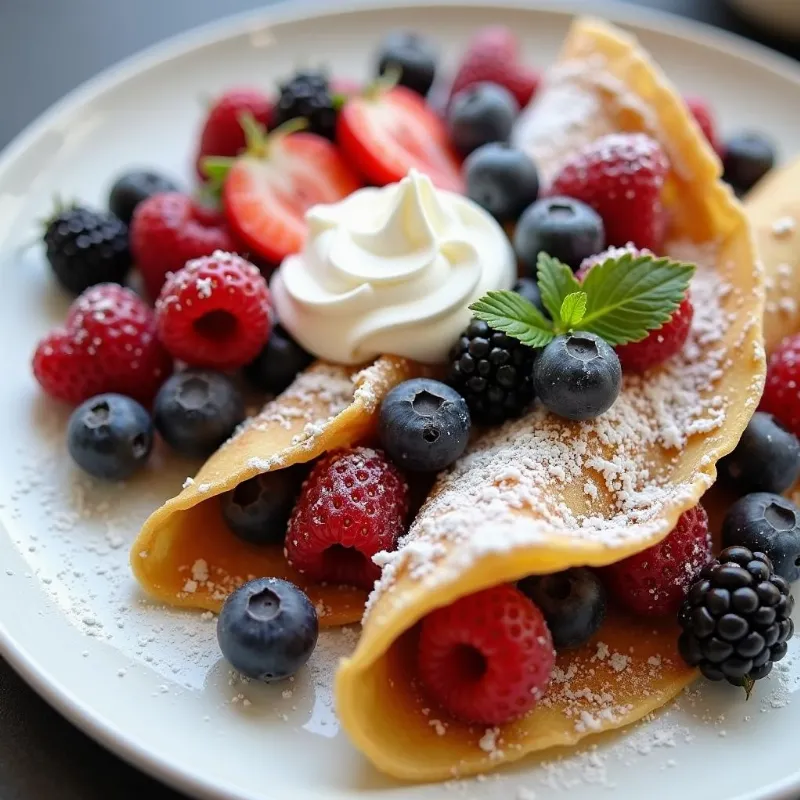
pixel 186 556
pixel 379 709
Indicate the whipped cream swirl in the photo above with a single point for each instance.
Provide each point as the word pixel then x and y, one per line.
pixel 391 271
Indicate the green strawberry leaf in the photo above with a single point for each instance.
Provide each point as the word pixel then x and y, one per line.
pixel 631 295
pixel 513 314
pixel 216 168
pixel 572 310
pixel 556 281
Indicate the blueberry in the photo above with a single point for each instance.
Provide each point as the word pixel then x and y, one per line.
pixel 424 425
pixel 481 114
pixel 577 375
pixel 529 289
pixel 573 603
pixel 197 410
pixel 133 187
pixel 413 55
pixel 766 523
pixel 267 629
pixel 562 227
pixel 258 510
pixel 501 179
pixel 110 436
pixel 278 364
pixel 767 458
pixel 749 156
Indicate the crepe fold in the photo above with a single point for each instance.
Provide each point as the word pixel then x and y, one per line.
pixel 542 494
pixel 187 556
pixel 774 211
pixel 773 208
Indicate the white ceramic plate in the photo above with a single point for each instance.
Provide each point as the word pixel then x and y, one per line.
pixel 147 682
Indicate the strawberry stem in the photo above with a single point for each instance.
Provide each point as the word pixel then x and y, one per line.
pixel 59 206
pixel 216 168
pixel 385 82
pixel 290 126
pixel 255 134
pixel 259 141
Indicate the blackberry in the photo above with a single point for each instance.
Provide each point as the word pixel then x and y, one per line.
pixel 736 618
pixel 493 372
pixel 308 94
pixel 85 247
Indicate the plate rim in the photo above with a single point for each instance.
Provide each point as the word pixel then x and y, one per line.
pixel 46 684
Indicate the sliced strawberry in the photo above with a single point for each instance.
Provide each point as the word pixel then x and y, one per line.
pixel 384 135
pixel 266 195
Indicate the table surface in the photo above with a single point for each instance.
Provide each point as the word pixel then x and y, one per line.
pixel 56 46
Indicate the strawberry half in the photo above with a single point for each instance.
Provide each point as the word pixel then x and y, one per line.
pixel 267 191
pixel 384 134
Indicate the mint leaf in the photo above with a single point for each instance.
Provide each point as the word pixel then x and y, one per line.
pixel 512 314
pixel 572 310
pixel 632 295
pixel 556 281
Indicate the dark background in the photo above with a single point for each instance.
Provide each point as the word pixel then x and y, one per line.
pixel 48 47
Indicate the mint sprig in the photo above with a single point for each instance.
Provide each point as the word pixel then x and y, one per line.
pixel 621 300
pixel 556 281
pixel 632 295
pixel 573 309
pixel 516 316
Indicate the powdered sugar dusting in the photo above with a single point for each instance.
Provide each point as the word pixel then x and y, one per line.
pixel 784 227
pixel 204 286
pixel 312 402
pixel 589 480
pixel 780 285
pixel 563 116
pixel 325 386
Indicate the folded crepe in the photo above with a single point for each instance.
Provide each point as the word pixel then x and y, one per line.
pixel 186 555
pixel 774 211
pixel 543 494
pixel 773 208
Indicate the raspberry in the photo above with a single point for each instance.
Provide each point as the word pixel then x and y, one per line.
pixel 609 252
pixel 704 117
pixel 215 312
pixel 621 177
pixel 352 506
pixel 108 344
pixel 168 230
pixel 492 57
pixel 486 658
pixel 222 133
pixel 781 397
pixel 654 582
pixel 661 343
